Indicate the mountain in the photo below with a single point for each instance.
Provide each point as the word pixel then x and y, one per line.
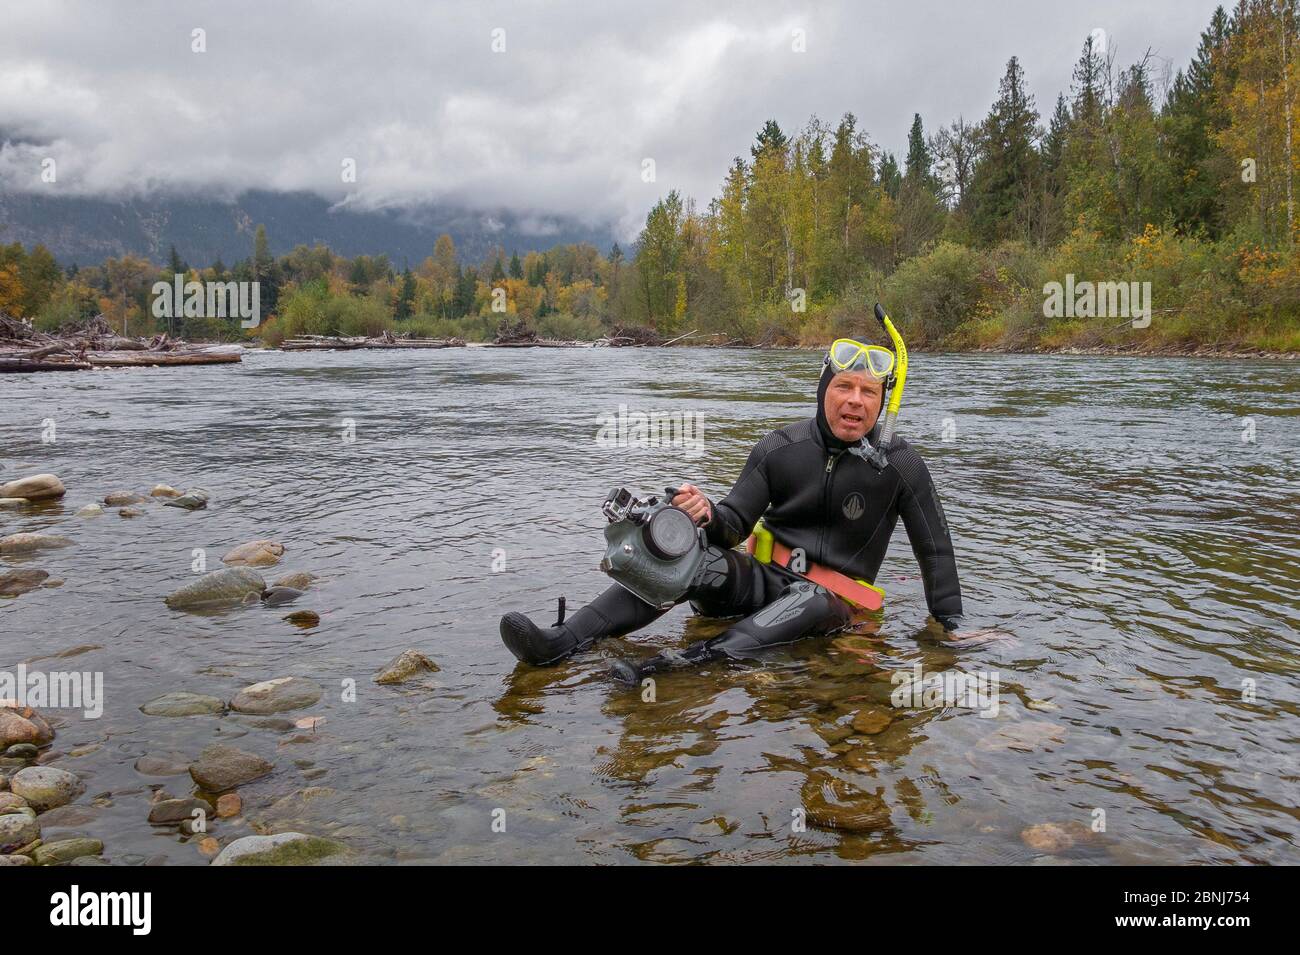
pixel 85 231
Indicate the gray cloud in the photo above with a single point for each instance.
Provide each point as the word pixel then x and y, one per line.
pixel 556 126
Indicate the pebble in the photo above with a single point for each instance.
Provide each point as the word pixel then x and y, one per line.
pixel 229 805
pixel 65 850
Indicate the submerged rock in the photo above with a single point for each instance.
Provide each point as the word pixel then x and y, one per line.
pixel 284 848
pixel 45 787
pixel 195 500
pixel 1023 737
pixel 12 503
pixel 130 512
pixel 14 583
pixel 278 596
pixel 407 664
pixel 169 812
pixel 152 764
pixel 28 542
pixel 164 490
pixel 276 696
pixel 181 703
pixel 91 510
pixel 303 618
pixel 229 585
pixel 832 803
pixel 260 553
pixel 298 581
pixel 15 860
pixel 220 767
pixel 871 722
pixel 38 487
pixel 123 499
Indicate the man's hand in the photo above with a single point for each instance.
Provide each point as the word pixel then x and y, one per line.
pixel 692 500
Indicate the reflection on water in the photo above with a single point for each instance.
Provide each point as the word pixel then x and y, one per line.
pixel 1129 559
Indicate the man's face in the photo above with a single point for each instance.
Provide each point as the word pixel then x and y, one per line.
pixel 852 404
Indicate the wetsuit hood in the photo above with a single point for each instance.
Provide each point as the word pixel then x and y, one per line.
pixel 823 426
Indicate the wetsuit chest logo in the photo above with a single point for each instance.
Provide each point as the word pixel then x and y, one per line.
pixel 854 506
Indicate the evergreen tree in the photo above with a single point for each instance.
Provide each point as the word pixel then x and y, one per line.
pixel 516 267
pixel 1004 184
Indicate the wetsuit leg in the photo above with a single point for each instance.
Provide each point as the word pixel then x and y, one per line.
pixel 801 609
pixel 616 611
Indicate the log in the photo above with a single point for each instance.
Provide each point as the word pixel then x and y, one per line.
pixel 137 359
pixel 26 365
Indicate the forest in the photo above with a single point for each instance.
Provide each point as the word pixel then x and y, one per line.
pixel 1139 173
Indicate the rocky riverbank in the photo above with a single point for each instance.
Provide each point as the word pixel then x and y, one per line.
pixel 200 797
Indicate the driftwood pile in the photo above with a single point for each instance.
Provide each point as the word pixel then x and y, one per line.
pixel 93 344
pixel 386 340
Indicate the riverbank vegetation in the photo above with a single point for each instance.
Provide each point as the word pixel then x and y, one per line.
pixel 1186 182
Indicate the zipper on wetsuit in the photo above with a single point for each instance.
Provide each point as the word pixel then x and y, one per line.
pixel 826 501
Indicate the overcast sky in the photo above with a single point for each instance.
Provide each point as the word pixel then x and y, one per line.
pixel 556 125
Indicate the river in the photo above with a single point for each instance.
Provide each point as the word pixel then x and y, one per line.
pixel 1126 533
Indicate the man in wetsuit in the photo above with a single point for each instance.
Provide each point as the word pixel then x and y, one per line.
pixel 816 488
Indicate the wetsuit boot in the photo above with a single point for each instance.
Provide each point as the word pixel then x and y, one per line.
pixel 803 609
pixel 616 611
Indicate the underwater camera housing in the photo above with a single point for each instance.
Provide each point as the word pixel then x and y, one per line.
pixel 651 547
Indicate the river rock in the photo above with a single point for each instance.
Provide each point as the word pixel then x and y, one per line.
pixel 45 787
pixel 169 812
pixel 164 490
pixel 831 803
pixel 65 850
pixel 123 499
pixel 12 503
pixel 151 764
pixel 91 510
pixel 194 500
pixel 298 581
pixel 22 751
pixel 260 553
pixel 871 722
pixel 229 805
pixel 407 664
pixel 38 487
pixel 17 830
pixel 279 596
pixel 303 618
pixel 11 801
pixel 1023 737
pixel 227 585
pixel 284 848
pixel 181 703
pixel 130 512
pixel 276 696
pixel 23 726
pixel 15 860
pixel 14 583
pixel 28 542
pixel 220 767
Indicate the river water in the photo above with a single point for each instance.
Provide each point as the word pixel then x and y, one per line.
pixel 1126 533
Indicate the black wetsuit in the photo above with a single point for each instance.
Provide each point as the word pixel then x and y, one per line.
pixel 813 491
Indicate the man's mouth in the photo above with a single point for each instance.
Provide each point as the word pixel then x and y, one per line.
pixel 851 418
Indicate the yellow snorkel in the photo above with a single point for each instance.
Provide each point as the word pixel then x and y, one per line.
pixel 895 387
